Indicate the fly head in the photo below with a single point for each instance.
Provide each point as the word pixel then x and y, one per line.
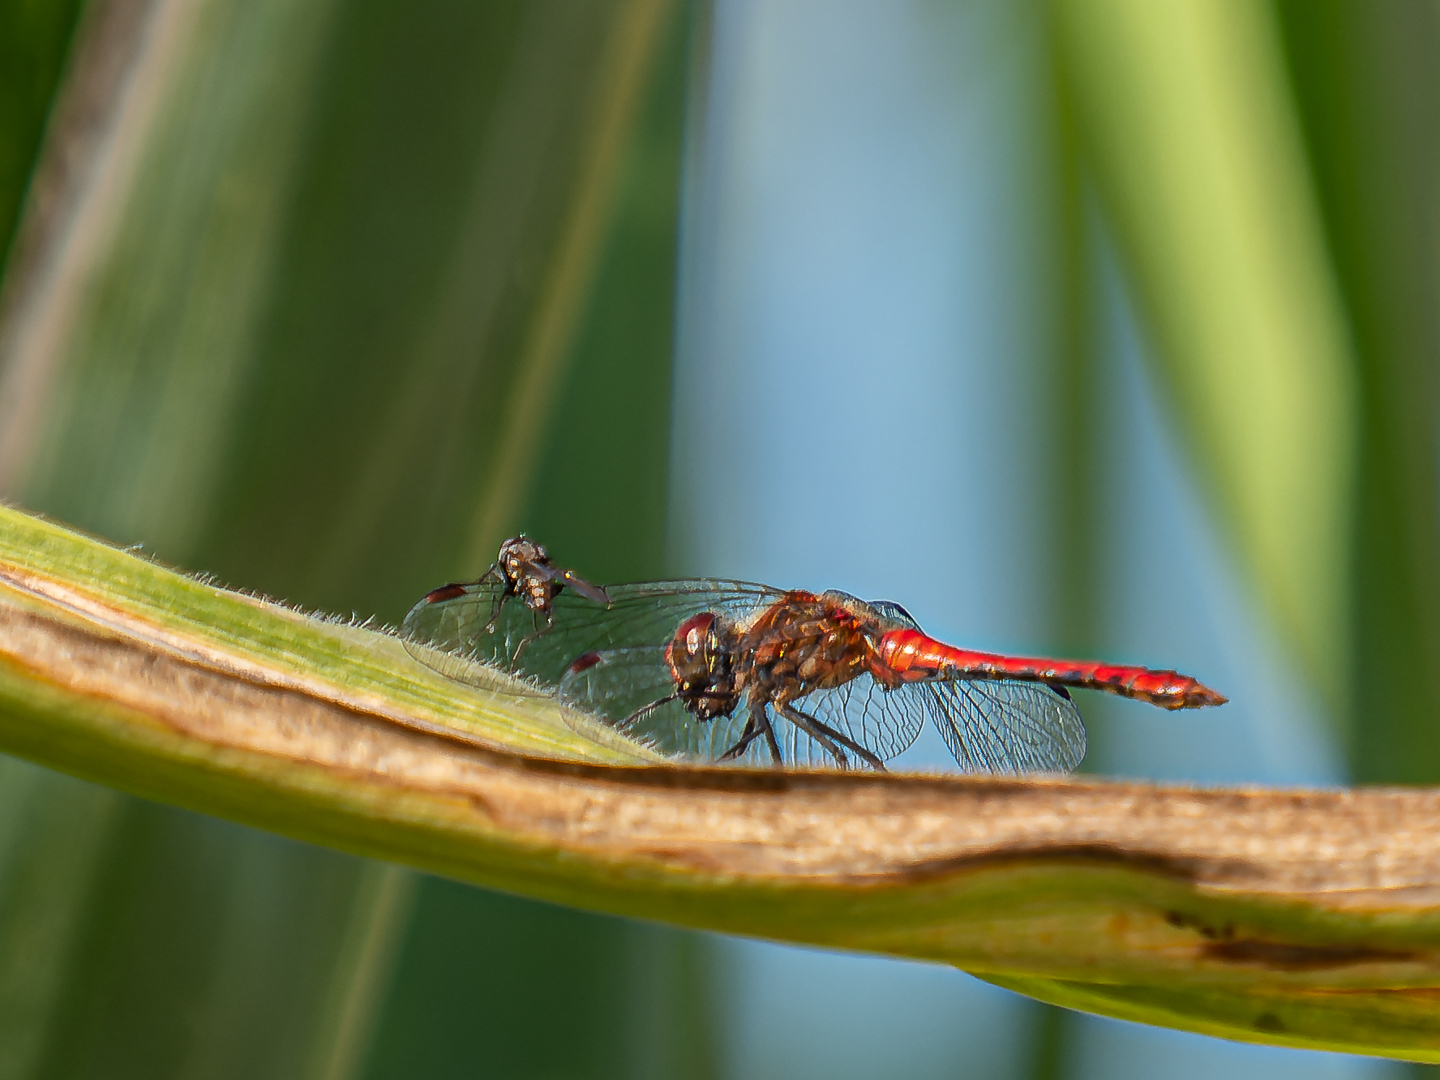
pixel 528 572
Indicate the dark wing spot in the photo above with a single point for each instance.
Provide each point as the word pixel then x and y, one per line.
pixel 584 662
pixel 444 592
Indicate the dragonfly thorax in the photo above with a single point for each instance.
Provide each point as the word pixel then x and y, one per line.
pixel 806 643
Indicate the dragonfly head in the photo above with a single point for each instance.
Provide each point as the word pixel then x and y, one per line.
pixel 701 657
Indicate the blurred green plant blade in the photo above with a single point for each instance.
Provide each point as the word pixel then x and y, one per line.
pixel 171 280
pixel 624 66
pixel 129 264
pixel 1076 525
pixel 216 400
pixel 55 832
pixel 158 990
pixel 1188 127
pixel 444 403
pixel 601 480
pixel 381 912
pixel 549 963
pixel 1367 76
pixel 34 39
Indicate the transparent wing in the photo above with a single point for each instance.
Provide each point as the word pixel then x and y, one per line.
pixel 1002 726
pixel 881 721
pixel 474 624
pixel 631 690
pixel 446 629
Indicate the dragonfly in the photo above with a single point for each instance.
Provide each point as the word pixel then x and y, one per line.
pixel 719 671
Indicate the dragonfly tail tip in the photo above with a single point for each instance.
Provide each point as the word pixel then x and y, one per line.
pixel 1203 697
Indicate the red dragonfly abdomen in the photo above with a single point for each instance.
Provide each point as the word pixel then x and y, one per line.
pixel 910 656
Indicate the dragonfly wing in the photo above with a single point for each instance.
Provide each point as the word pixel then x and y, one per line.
pixel 631 690
pixel 883 722
pixel 648 612
pixel 447 631
pixel 638 616
pixel 477 622
pixel 1003 726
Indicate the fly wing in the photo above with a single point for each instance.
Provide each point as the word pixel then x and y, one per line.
pixel 1002 726
pixel 594 593
pixel 631 691
pixel 477 622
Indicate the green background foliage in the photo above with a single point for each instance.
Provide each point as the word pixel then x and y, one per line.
pixel 289 370
pixel 291 363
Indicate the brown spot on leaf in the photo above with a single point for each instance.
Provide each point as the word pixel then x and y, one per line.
pixel 1223 932
pixel 1100 855
pixel 1224 944
pixel 1268 1021
pixel 1284 956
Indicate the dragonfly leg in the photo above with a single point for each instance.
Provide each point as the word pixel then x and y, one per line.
pixel 642 712
pixel 762 721
pixel 749 735
pixel 528 638
pixel 811 727
pixel 819 728
pixel 758 724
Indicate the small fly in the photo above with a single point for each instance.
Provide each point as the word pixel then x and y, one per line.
pixel 524 571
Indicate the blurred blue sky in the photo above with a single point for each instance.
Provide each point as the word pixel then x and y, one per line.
pixel 864 323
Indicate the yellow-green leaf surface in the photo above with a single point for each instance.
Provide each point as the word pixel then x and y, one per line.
pixel 1301 918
